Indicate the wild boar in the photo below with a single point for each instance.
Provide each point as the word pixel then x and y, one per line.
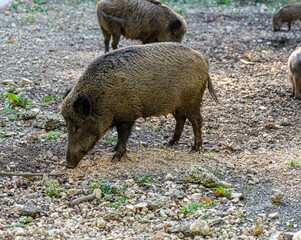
pixel 288 14
pixel 133 82
pixel 294 71
pixel 146 20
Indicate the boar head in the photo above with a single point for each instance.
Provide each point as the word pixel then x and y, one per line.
pixel 174 32
pixel 83 129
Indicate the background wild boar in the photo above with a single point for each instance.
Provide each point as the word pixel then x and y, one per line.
pixel 294 71
pixel 139 81
pixel 288 14
pixel 145 20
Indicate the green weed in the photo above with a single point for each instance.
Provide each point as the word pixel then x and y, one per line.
pixel 295 163
pixel 54 190
pixel 11 114
pixel 105 187
pixel 117 202
pixel 225 192
pixel 110 140
pixel 143 178
pixel 193 207
pixel 14 101
pixel 52 135
pixel 50 99
pixel 23 221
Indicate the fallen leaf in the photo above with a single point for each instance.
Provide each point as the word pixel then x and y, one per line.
pixel 10 41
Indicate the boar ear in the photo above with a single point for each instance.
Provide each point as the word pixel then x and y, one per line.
pixel 82 105
pixel 175 25
pixel 66 93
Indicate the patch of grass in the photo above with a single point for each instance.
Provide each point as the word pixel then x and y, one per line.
pixel 3 134
pixel 117 203
pixel 193 207
pixel 23 221
pixel 110 140
pixel 52 135
pixel 225 192
pixel 13 101
pixel 250 188
pixel 143 178
pixel 295 163
pixel 105 187
pixel 50 99
pixel 54 190
pixel 11 114
pixel 30 20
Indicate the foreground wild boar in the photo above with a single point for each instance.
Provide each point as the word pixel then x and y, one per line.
pixel 145 20
pixel 294 71
pixel 139 81
pixel 288 14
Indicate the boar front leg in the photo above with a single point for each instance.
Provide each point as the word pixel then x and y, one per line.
pixel 124 131
pixel 180 121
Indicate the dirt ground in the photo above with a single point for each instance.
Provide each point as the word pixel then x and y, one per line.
pixel 256 126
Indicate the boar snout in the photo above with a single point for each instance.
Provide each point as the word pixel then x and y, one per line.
pixel 73 158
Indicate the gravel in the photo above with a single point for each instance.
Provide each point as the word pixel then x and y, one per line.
pixel 243 184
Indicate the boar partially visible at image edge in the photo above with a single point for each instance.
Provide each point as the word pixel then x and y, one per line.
pixel 146 20
pixel 133 82
pixel 294 71
pixel 288 14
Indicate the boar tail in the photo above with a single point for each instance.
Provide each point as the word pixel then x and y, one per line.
pixel 115 19
pixel 212 90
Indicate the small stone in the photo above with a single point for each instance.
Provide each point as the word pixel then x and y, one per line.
pixel 178 194
pixel 98 193
pixel 288 235
pixel 277 195
pixel 199 227
pixel 130 182
pixel 20 232
pixel 236 195
pixel 235 200
pixel 17 208
pixel 73 191
pixel 130 208
pixel 30 209
pixel 259 227
pixel 129 193
pixel 274 215
pixel 297 235
pixel 226 184
pixel 8 82
pixel 100 222
pixel 275 236
pixel 25 81
pixel 201 175
pixel 169 177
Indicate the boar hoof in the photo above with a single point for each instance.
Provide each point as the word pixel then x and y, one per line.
pixel 114 149
pixel 117 157
pixel 171 143
pixel 194 149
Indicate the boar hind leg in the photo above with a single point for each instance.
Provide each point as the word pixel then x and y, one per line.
pixel 116 38
pixel 107 37
pixel 180 121
pixel 196 120
pixel 123 130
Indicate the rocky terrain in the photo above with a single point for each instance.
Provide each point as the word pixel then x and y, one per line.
pixel 243 184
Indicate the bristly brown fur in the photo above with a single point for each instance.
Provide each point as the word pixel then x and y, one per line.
pixel 288 14
pixel 133 82
pixel 146 20
pixel 294 71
